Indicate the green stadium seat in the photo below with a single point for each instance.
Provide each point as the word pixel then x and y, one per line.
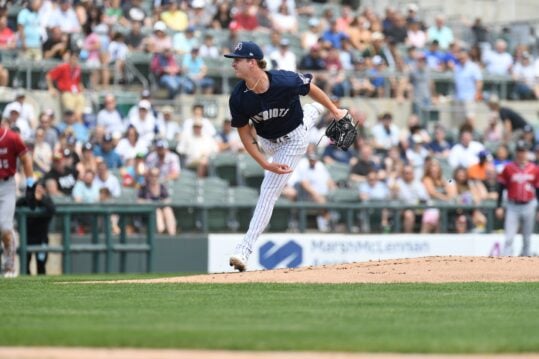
pixel 225 165
pixel 250 172
pixel 339 173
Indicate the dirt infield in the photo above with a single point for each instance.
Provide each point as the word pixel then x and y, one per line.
pixel 426 270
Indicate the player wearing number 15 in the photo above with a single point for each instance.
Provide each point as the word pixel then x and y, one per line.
pixel 12 148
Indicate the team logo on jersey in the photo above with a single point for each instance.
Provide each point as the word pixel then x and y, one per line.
pixel 270 114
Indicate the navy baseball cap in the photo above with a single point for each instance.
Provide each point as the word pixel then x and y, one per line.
pixel 246 50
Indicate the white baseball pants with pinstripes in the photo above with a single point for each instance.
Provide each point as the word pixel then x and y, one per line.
pixel 289 152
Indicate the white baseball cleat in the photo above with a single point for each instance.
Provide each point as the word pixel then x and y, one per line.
pixel 239 262
pixel 10 274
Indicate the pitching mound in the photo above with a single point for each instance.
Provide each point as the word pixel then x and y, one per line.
pixel 427 269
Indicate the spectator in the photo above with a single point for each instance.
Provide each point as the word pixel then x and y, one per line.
pixel 501 158
pixel 385 134
pixel 333 154
pixel 283 58
pixel 154 191
pixel 8 39
pixel 228 138
pixel 134 173
pixel 117 55
pixel 196 72
pixel 417 155
pixel 498 62
pixel 144 121
pixel 169 73
pixel 85 189
pixel 392 164
pixel 57 44
pixel 440 146
pixel 398 31
pixel 434 57
pixel 67 77
pixel 88 161
pixel 60 179
pixel 108 153
pixel 422 85
pixel 170 129
pixel 525 77
pixel 183 42
pixel 174 18
pixel 468 81
pixel 376 77
pixel 208 129
pixel 374 189
pixel 65 17
pixel 105 179
pixel 365 163
pixel 208 48
pixel 167 161
pixel 283 20
pixel 410 191
pixel 133 11
pixel 70 125
pixel 513 122
pixel 96 56
pixel 41 154
pixel 493 133
pixel 465 153
pixel 38 226
pixel 197 148
pixel 314 184
pixel 440 32
pixel 245 17
pixel 310 37
pixel 480 32
pixel 134 38
pixel 200 15
pixel 333 36
pixel 51 134
pixel 478 171
pixel 437 187
pixel 16 123
pixel 359 33
pixel 415 36
pixel 222 18
pixel 489 186
pixel 109 118
pixel 467 194
pixel 159 40
pixel 26 113
pixel 29 31
pixel 528 136
pixel 131 145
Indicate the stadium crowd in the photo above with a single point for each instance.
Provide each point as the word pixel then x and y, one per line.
pixel 352 52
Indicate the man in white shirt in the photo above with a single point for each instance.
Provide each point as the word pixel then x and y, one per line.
pixel 197 148
pixel 283 58
pixel 498 62
pixel 198 115
pixel 65 17
pixel 109 118
pixel 144 121
pixel 465 153
pixel 385 133
pixel 170 129
pixel 105 179
pixel 26 114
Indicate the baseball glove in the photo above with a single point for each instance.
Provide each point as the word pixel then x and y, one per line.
pixel 342 132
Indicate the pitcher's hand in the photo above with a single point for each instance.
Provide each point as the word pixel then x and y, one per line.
pixel 278 168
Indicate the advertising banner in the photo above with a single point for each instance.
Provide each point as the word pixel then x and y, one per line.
pixel 291 250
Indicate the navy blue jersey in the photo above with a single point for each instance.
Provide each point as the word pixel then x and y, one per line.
pixel 275 112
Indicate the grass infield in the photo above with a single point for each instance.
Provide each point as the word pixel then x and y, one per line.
pixel 406 318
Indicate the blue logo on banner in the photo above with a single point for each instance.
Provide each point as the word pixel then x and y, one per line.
pixel 291 254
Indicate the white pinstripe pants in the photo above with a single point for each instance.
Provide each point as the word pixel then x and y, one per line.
pixel 288 152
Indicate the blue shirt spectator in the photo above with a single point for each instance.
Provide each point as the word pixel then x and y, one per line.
pixel 468 78
pixel 107 152
pixel 70 123
pixel 28 20
pixel 334 36
pixel 440 32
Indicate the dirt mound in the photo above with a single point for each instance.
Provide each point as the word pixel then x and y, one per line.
pixel 427 270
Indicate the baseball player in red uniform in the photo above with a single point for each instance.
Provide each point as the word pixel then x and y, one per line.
pixel 11 148
pixel 521 180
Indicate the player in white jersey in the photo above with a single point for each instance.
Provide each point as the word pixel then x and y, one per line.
pixel 270 101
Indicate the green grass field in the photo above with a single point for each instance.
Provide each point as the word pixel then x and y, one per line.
pixel 419 318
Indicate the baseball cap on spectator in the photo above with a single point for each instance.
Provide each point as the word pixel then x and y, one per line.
pixel 494 100
pixel 413 7
pixel 101 29
pixel 140 155
pixel 377 60
pixel 160 26
pixel 14 107
pixel 416 138
pixel 107 138
pixel 190 28
pixel 284 42
pixel 314 22
pixel 483 154
pixel 145 104
pixel 66 152
pixel 522 146
pixel 246 50
pixel 87 146
pixel 145 93
pixel 69 112
pixel 197 4
pixel 161 143
pixel 527 128
pixel 167 109
pixel 377 36
pixel 20 93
